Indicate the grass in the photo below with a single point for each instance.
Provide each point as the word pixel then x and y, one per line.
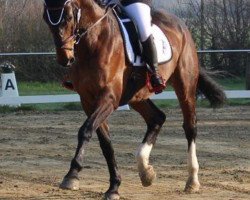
pixel 38 88
pixel 239 102
pixel 8 109
pixel 42 107
pixel 175 103
pixel 54 88
pixel 237 83
pixel 201 103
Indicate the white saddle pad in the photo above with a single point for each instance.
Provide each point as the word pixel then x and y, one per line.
pixel 164 51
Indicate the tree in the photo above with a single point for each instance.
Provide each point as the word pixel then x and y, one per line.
pixel 22 30
pixel 221 24
pixel 215 24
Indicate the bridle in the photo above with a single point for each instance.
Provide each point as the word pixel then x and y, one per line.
pixel 78 32
pixel 74 37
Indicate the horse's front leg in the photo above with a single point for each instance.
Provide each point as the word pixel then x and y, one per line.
pixel 108 152
pixel 154 119
pixel 71 180
pixel 96 116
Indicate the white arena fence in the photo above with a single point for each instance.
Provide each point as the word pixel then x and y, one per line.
pixel 53 53
pixel 18 100
pixel 66 98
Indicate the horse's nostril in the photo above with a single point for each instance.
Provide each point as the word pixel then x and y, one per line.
pixel 72 60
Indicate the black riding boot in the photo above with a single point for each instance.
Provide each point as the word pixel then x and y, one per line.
pixel 150 57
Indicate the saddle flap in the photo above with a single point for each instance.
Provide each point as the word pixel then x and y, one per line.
pixel 164 50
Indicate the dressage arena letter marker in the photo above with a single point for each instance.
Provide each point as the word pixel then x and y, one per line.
pixel 9 84
pixel 9 89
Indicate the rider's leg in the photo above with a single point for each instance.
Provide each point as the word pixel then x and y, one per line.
pixel 150 56
pixel 141 14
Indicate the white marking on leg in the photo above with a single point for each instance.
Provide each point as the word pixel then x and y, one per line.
pixel 142 156
pixel 193 166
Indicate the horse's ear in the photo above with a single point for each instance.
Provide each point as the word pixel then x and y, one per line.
pixel 79 13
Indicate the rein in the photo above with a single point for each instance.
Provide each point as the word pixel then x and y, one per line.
pixel 78 32
pixel 80 35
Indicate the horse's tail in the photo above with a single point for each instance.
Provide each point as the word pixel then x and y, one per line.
pixel 210 89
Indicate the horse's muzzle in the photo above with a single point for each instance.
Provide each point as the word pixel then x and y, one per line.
pixel 66 62
pixel 65 58
pixel 70 62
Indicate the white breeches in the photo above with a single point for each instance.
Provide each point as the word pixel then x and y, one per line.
pixel 141 14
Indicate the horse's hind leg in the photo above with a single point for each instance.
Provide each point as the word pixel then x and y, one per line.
pixel 108 152
pixel 185 88
pixel 154 119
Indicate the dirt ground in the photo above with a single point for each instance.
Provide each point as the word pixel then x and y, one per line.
pixel 36 149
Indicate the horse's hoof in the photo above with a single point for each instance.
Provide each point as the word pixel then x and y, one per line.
pixel 70 184
pixel 147 176
pixel 192 186
pixel 111 196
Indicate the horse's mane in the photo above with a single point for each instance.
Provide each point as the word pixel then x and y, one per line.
pixel 110 28
pixel 110 17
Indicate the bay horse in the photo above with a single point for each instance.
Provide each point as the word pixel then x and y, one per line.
pixel 88 41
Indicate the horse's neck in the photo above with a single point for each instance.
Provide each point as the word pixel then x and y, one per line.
pixel 91 13
pixel 98 32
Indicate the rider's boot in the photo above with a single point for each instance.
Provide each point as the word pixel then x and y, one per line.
pixel 150 56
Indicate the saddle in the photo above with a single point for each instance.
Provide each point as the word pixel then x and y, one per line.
pixel 132 43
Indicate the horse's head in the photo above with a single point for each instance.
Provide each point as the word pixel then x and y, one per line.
pixel 62 17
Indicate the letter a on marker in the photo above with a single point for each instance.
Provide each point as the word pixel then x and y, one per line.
pixel 9 84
